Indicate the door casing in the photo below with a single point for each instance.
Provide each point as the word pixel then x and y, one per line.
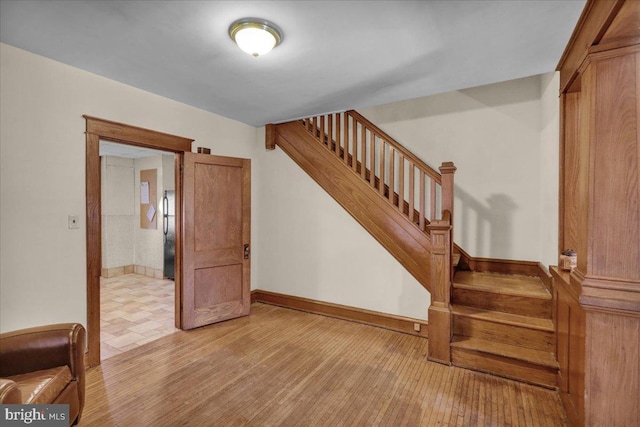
pixel 97 129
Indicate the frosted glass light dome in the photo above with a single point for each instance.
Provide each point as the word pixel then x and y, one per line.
pixel 255 36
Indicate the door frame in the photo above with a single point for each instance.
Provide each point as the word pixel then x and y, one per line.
pixel 97 129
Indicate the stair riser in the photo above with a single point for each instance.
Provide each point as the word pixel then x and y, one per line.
pixel 506 367
pixel 525 306
pixel 504 333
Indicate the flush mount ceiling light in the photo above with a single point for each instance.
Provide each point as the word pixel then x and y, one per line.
pixel 255 36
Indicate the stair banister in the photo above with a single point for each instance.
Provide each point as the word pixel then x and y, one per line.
pixel 397 146
pixel 371 155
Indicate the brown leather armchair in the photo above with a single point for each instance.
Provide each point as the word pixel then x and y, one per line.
pixel 44 365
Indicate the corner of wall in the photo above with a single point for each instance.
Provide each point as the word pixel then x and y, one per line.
pixel 549 167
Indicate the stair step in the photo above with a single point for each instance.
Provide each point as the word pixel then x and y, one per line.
pixel 504 318
pixel 492 330
pixel 481 355
pixel 534 307
pixel 506 284
pixel 516 294
pixel 538 357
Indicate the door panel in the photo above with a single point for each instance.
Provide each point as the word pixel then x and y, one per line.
pixel 216 209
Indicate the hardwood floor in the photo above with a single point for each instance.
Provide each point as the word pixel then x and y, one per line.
pixel 285 367
pixel 134 309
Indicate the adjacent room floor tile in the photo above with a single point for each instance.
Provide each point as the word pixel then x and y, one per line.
pixel 135 309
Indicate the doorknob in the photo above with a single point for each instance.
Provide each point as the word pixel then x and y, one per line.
pixel 246 251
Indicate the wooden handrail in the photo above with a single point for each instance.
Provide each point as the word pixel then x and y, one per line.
pixel 396 174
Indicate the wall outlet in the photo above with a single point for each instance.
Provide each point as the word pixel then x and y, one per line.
pixel 74 221
pixel 416 327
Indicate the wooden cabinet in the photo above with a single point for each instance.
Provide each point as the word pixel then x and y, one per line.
pixel 598 304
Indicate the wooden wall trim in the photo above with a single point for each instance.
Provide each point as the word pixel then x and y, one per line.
pixel 505 266
pixel 94 246
pixel 133 135
pixel 591 27
pixel 97 129
pixel 570 334
pixel 354 314
pixel 621 296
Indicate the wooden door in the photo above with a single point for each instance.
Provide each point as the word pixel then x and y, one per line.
pixel 216 211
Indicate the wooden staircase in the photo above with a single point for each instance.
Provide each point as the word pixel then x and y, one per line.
pixel 496 323
pixel 502 324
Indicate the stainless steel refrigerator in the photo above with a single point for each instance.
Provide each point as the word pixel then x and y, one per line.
pixel 169 220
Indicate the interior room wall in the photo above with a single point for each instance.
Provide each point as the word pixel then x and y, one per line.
pixel 549 167
pixel 117 212
pixel 311 247
pixel 303 243
pixel 503 139
pixel 168 172
pixel 495 136
pixel 42 175
pixel 148 242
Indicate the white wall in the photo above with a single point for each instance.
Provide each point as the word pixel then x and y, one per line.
pixel 549 167
pixel 117 206
pixel 303 242
pixel 42 175
pixel 495 136
pixel 168 173
pixel 149 243
pixel 502 137
pixel 311 247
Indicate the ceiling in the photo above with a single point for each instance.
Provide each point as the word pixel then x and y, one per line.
pixel 335 55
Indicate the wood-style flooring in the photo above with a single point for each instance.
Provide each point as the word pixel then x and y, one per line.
pixel 134 309
pixel 280 367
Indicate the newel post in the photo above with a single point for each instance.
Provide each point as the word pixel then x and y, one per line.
pixel 440 323
pixel 447 170
pixel 270 136
pixel 440 308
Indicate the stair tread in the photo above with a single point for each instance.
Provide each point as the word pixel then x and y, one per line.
pixel 507 284
pixel 503 317
pixel 537 357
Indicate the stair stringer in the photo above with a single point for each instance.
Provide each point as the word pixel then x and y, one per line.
pixel 410 246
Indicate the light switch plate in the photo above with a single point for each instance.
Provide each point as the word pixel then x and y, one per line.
pixel 74 222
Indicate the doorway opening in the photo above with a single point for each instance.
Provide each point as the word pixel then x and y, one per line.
pixel 137 289
pixel 97 130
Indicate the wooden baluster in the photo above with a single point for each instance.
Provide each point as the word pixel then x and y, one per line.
pixel 330 132
pixel 314 127
pixel 401 183
pixel 392 171
pixel 338 135
pixel 432 193
pixel 411 191
pixel 382 168
pixel 320 134
pixel 422 200
pixel 345 126
pixel 363 153
pixel 354 143
pixel 372 159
